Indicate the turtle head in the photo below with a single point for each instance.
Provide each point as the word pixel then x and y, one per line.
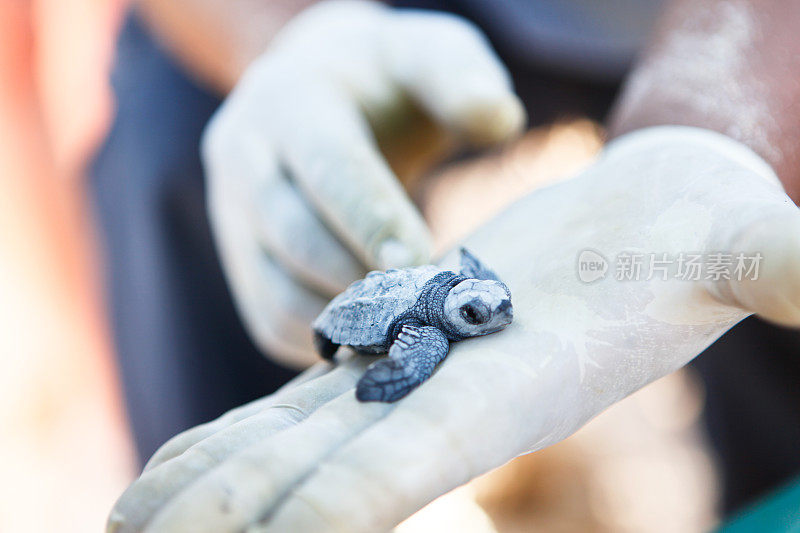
pixel 478 307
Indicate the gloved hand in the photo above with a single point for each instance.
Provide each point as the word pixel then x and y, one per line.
pixel 312 458
pixel 301 199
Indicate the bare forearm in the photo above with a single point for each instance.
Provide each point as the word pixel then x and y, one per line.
pixel 217 39
pixel 730 66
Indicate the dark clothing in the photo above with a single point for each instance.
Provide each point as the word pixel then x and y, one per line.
pixel 585 38
pixel 183 354
pixel 752 411
pixel 548 94
pixel 182 351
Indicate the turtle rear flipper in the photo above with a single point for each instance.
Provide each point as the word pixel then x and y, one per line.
pixel 326 347
pixel 412 358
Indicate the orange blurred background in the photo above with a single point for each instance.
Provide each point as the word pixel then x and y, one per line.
pixel 64 450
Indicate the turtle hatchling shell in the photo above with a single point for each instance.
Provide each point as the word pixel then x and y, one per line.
pixel 361 315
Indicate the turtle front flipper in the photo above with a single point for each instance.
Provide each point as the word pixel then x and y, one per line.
pixel 412 358
pixel 472 267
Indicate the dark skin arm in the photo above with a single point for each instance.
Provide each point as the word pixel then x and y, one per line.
pixel 728 66
pixel 217 39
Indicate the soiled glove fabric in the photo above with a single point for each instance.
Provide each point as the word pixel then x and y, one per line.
pixel 312 458
pixel 302 201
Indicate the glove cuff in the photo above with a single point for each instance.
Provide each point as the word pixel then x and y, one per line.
pixel 702 140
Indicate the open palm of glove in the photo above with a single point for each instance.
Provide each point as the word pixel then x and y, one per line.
pixel 301 198
pixel 312 458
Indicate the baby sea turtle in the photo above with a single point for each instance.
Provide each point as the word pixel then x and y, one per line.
pixel 413 314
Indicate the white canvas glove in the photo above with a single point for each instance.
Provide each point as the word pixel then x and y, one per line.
pixel 311 458
pixel 301 199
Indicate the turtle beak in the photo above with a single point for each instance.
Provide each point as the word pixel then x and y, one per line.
pixel 506 310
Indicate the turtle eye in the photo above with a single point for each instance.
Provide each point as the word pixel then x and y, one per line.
pixel 472 315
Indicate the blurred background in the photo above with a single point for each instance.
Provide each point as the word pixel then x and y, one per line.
pixel 65 449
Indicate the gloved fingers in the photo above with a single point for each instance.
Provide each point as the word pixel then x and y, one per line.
pixel 245 488
pixel 183 441
pixel 276 310
pixel 764 270
pixel 472 416
pixel 238 154
pixel 448 66
pixel 333 159
pixel 157 486
pixel 293 234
